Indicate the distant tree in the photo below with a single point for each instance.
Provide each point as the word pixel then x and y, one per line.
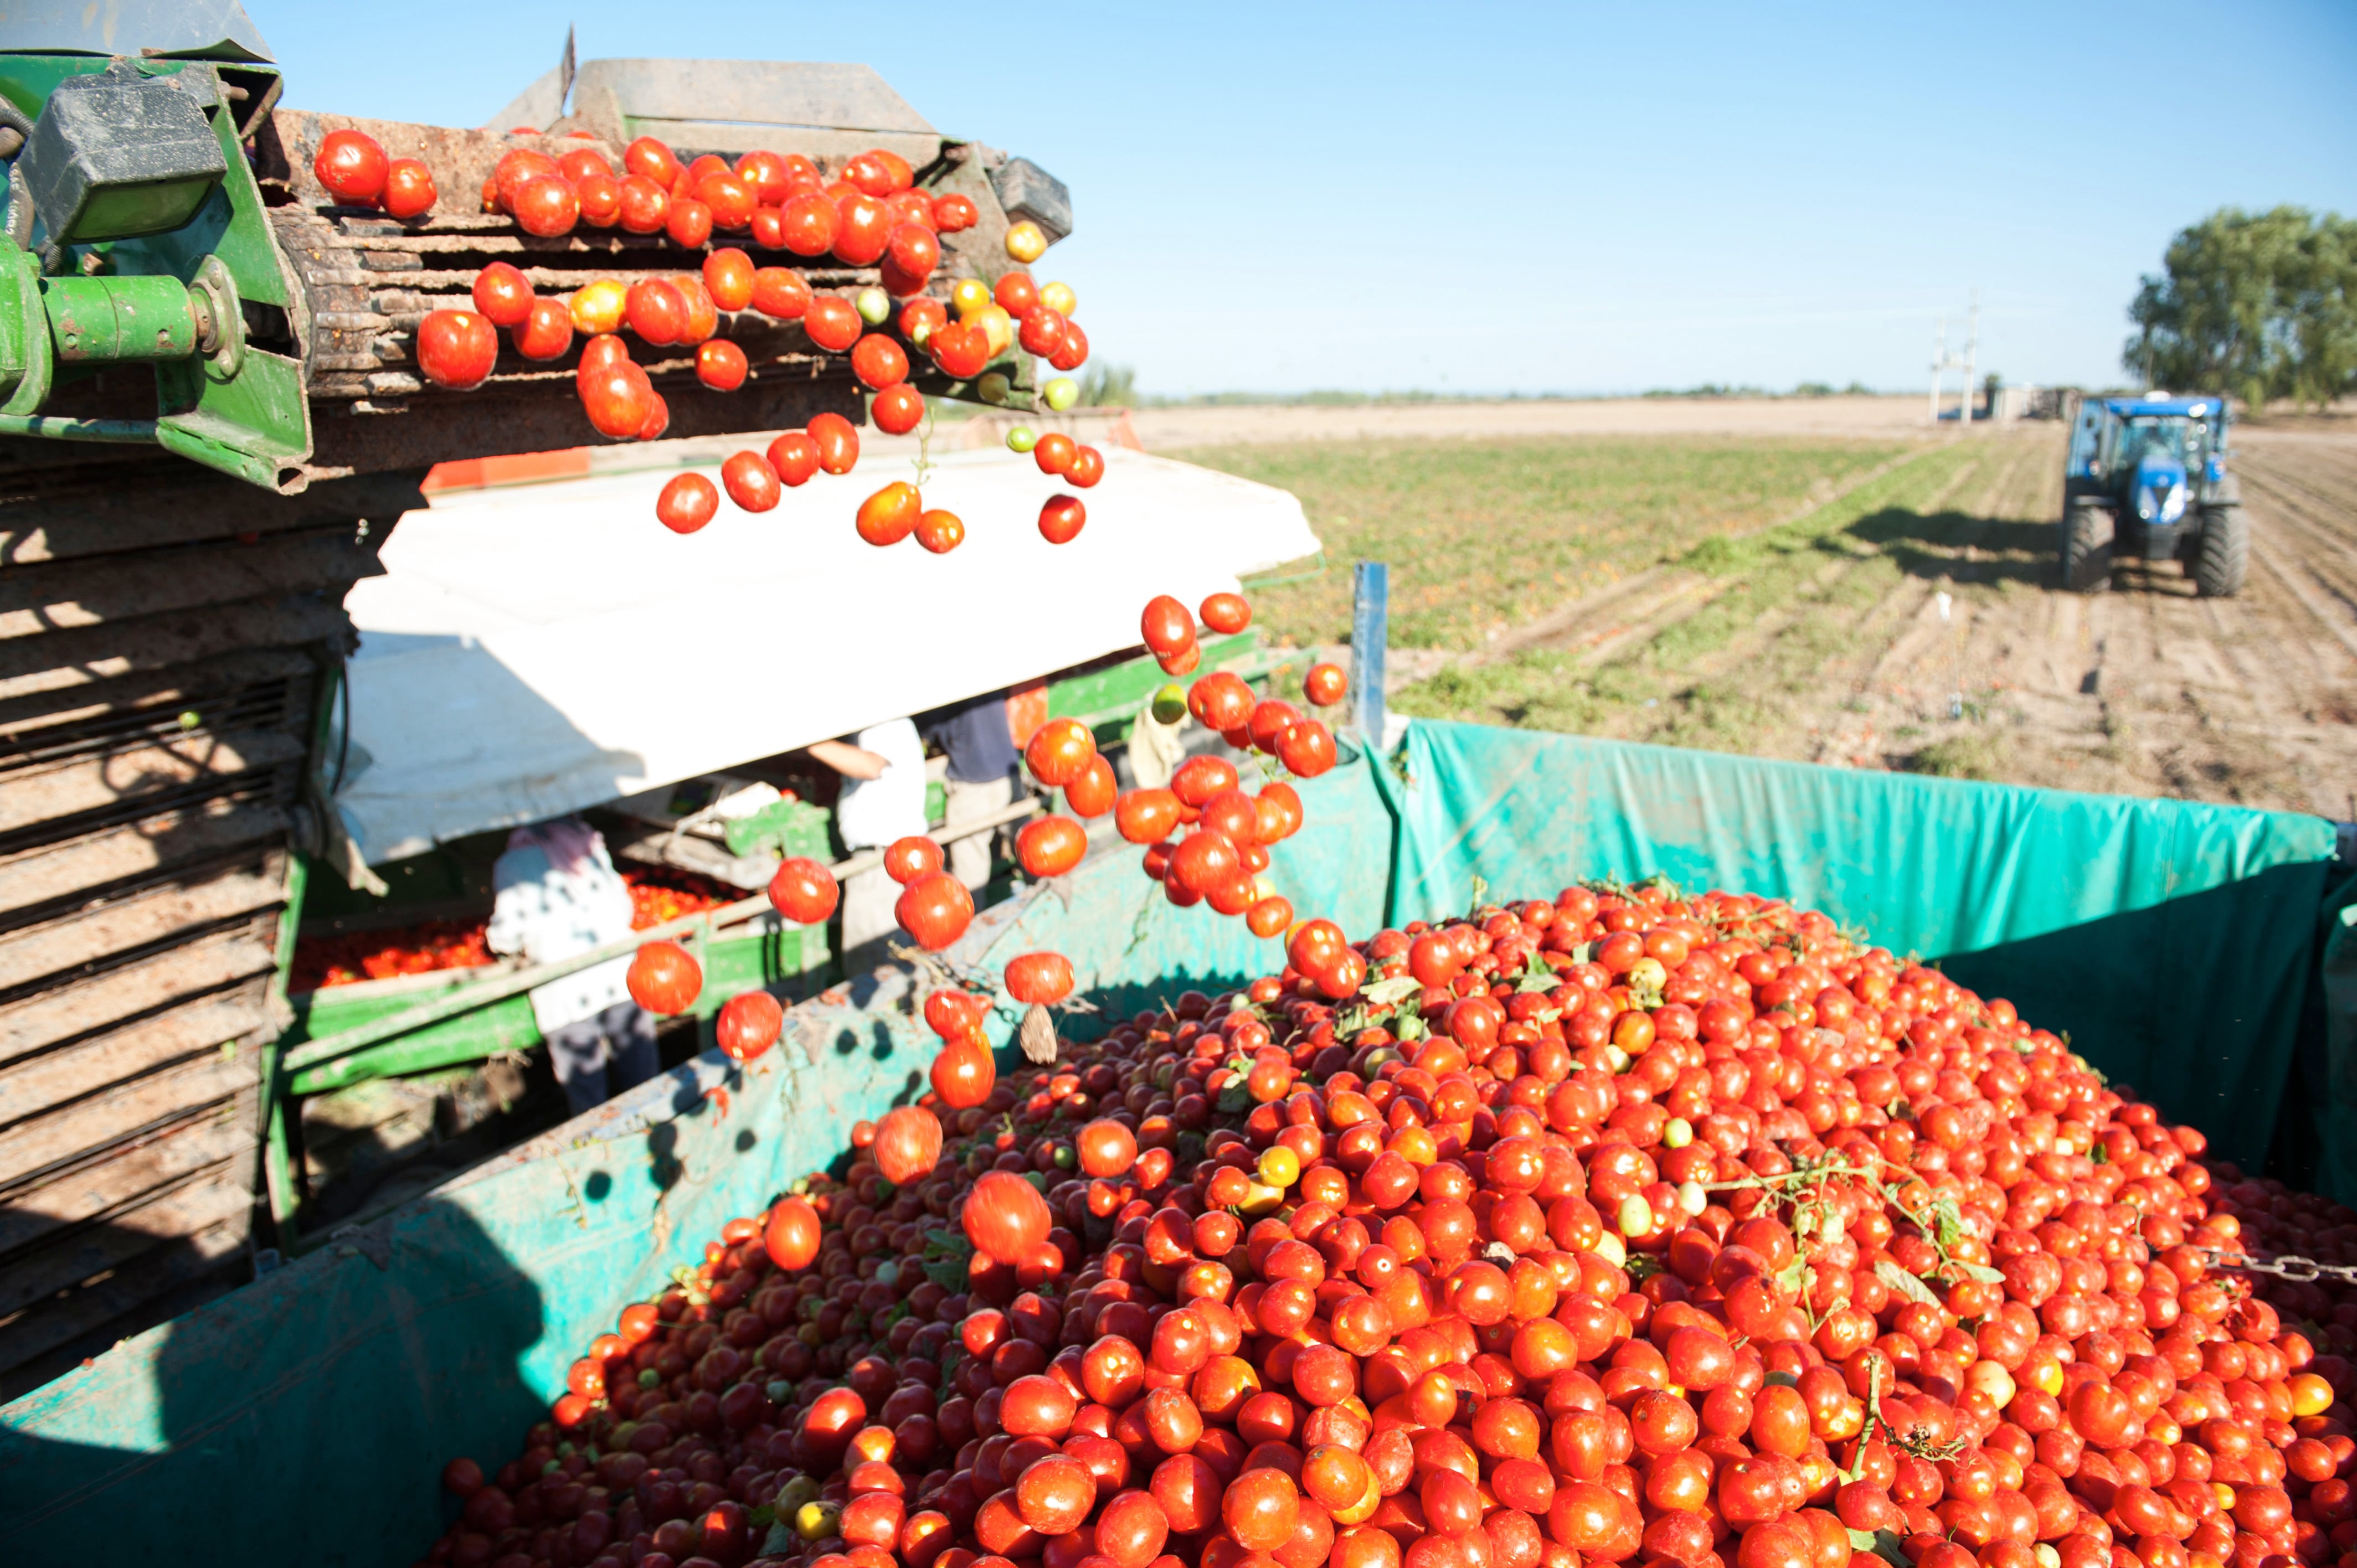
pixel 2263 305
pixel 1108 386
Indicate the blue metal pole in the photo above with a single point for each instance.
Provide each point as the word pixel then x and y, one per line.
pixel 1369 630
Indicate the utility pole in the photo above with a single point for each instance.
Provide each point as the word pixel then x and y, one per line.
pixel 1972 351
pixel 1939 363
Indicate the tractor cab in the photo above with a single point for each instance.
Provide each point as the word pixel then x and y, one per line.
pixel 2146 480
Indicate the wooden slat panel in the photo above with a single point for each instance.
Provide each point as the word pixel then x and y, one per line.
pixel 170 1279
pixel 34 1084
pixel 38 601
pixel 91 783
pixel 91 1124
pixel 23 719
pixel 80 657
pixel 140 1170
pixel 53 872
pixel 198 969
pixel 181 1211
pixel 136 517
pixel 90 937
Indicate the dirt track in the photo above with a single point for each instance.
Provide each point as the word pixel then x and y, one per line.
pixel 1823 640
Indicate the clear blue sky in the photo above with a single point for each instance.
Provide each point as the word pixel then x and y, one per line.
pixel 1582 199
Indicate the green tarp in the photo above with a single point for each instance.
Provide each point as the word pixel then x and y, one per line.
pixel 306 1417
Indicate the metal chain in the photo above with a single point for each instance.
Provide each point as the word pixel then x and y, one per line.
pixel 2302 1270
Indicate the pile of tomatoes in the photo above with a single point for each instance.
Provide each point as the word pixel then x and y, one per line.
pixel 1621 1226
pixel 870 213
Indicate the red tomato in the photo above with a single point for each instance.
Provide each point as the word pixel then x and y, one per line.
pixel 1164 626
pixel 808 224
pixel 906 859
pixel 898 409
pixel 920 318
pixel 1053 451
pixel 1269 916
pixel 1226 614
pixel 891 514
pixel 688 224
pixel 748 1025
pixel 352 165
pixel 547 333
pixel 1074 352
pixel 914 250
pixel 803 891
pixel 600 196
pixel 645 207
pixel 831 322
pixel 409 191
pixel 780 293
pixel 731 199
pixel 794 455
pixel 953 212
pixel 649 159
pixel 502 294
pixel 1306 749
pixel 1015 293
pixel 791 1236
pixel 688 501
pixel 656 312
pixel 1092 793
pixel 546 207
pixel 1051 845
pixel 1041 979
pixel 728 277
pixel 457 349
pixel 961 350
pixel 1059 751
pixel 1041 331
pixel 1088 467
pixel 908 1145
pixel 720 365
pixel 1325 684
pixel 703 315
pixel 581 162
pixel 864 230
pixel 964 1074
pixel 663 977
pixel 941 531
pixel 1005 1217
pixel 838 442
pixel 749 481
pixel 935 910
pixel 1062 518
pixel 769 174
pixel 879 362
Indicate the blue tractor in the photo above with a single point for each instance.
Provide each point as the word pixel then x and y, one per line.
pixel 2147 480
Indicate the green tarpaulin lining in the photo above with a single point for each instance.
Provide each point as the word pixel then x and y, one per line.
pixel 305 1418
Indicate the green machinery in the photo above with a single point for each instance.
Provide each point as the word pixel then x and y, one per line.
pixel 135 236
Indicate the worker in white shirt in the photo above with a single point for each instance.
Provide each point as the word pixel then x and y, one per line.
pixel 555 893
pixel 883 799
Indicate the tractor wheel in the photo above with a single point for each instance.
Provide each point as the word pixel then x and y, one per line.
pixel 2086 549
pixel 2224 559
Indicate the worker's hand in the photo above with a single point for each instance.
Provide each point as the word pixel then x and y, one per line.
pixel 849 760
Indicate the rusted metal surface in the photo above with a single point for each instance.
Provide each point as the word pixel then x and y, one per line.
pixel 39 1083
pixel 89 939
pixel 192 970
pixel 138 1171
pixel 39 794
pixel 98 864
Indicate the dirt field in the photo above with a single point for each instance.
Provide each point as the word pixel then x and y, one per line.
pixel 1880 417
pixel 1821 637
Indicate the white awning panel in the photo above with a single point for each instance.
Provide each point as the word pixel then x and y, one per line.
pixel 542 648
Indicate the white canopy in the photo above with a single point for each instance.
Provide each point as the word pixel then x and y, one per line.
pixel 540 648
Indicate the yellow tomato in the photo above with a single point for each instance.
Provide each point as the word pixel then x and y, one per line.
pixel 1026 241
pixel 968 296
pixel 597 307
pixel 1279 1166
pixel 1059 297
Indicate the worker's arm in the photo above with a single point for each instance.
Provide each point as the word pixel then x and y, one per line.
pixel 849 760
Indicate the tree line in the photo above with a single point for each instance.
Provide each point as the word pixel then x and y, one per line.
pixel 2261 305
